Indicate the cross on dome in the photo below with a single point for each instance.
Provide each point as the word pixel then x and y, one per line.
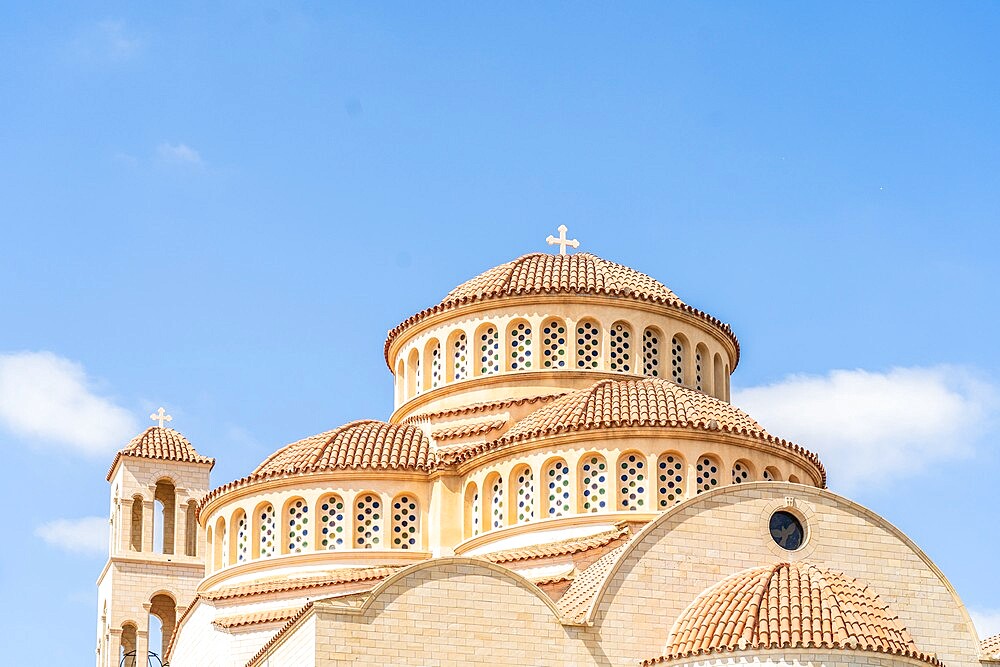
pixel 562 241
pixel 161 416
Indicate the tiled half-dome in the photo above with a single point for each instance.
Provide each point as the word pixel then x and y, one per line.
pixel 360 444
pixel 158 442
pixel 789 605
pixel 542 273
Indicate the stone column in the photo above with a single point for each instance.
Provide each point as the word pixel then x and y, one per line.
pixel 147 526
pixel 114 648
pixel 124 526
pixel 141 648
pixel 180 523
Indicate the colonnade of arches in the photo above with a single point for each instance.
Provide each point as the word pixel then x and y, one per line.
pixel 635 481
pixel 138 644
pixel 334 521
pixel 550 343
pixel 158 525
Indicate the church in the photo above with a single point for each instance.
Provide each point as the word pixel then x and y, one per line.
pixel 563 481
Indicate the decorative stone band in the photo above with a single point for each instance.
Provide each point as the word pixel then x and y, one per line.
pixel 541 273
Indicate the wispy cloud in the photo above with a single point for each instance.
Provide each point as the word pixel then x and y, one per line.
pixel 106 41
pixel 49 398
pixel 874 428
pixel 87 535
pixel 987 621
pixel 179 154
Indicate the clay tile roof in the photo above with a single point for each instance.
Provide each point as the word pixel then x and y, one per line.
pixel 542 273
pixel 158 442
pixel 256 618
pixel 990 647
pixel 465 430
pixel 648 402
pixel 362 444
pixel 560 548
pixel 332 578
pixel 573 605
pixel 788 605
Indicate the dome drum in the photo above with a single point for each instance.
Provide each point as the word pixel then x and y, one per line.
pixel 507 346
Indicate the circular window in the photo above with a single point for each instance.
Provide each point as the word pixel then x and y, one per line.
pixel 786 530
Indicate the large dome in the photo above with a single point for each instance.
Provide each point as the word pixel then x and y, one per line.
pixel 543 273
pixel 789 605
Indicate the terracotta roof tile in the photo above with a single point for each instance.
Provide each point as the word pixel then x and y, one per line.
pixel 990 647
pixel 331 578
pixel 480 407
pixel 362 444
pixel 648 402
pixel 299 615
pixel 577 600
pixel 788 605
pixel 542 273
pixel 560 548
pixel 255 618
pixel 158 442
pixel 466 430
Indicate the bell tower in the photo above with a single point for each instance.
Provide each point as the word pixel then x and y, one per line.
pixel 156 548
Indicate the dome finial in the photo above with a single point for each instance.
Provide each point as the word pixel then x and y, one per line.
pixel 161 416
pixel 562 241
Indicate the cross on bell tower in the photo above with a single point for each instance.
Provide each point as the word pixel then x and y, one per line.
pixel 562 241
pixel 161 416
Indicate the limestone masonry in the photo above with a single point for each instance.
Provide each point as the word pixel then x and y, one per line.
pixel 563 481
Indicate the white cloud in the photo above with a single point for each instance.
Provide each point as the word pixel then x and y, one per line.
pixel 987 621
pixel 873 428
pixel 49 398
pixel 179 154
pixel 87 535
pixel 106 41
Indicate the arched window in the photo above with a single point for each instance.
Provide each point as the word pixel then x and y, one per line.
pixel 742 472
pixel 518 345
pixel 400 381
pixel 129 632
pixel 135 539
pixel 333 526
pixel 621 347
pixel 459 347
pixel 240 541
pixel 405 522
pixel 588 345
pixel 488 339
pixel 163 537
pixel 631 481
pixel 771 474
pixel 553 343
pixel 473 513
pixel 191 528
pixel 221 546
pixel 523 491
pixel 725 379
pixel 708 473
pixel 670 480
pixel 164 609
pixel 594 483
pixel 368 521
pixel 296 526
pixel 432 360
pixel 651 340
pixel 555 477
pixel 719 383
pixel 412 374
pixel 495 485
pixel 702 374
pixel 793 479
pixel 677 359
pixel 266 543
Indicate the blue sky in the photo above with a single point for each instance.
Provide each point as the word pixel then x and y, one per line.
pixel 223 209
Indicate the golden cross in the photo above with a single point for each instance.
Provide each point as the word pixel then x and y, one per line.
pixel 562 241
pixel 161 416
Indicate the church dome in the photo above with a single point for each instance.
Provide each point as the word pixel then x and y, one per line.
pixel 158 442
pixel 788 605
pixel 546 274
pixel 990 647
pixel 360 444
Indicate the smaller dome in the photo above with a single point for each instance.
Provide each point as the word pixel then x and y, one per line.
pixel 789 605
pixel 360 444
pixel 158 442
pixel 990 647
